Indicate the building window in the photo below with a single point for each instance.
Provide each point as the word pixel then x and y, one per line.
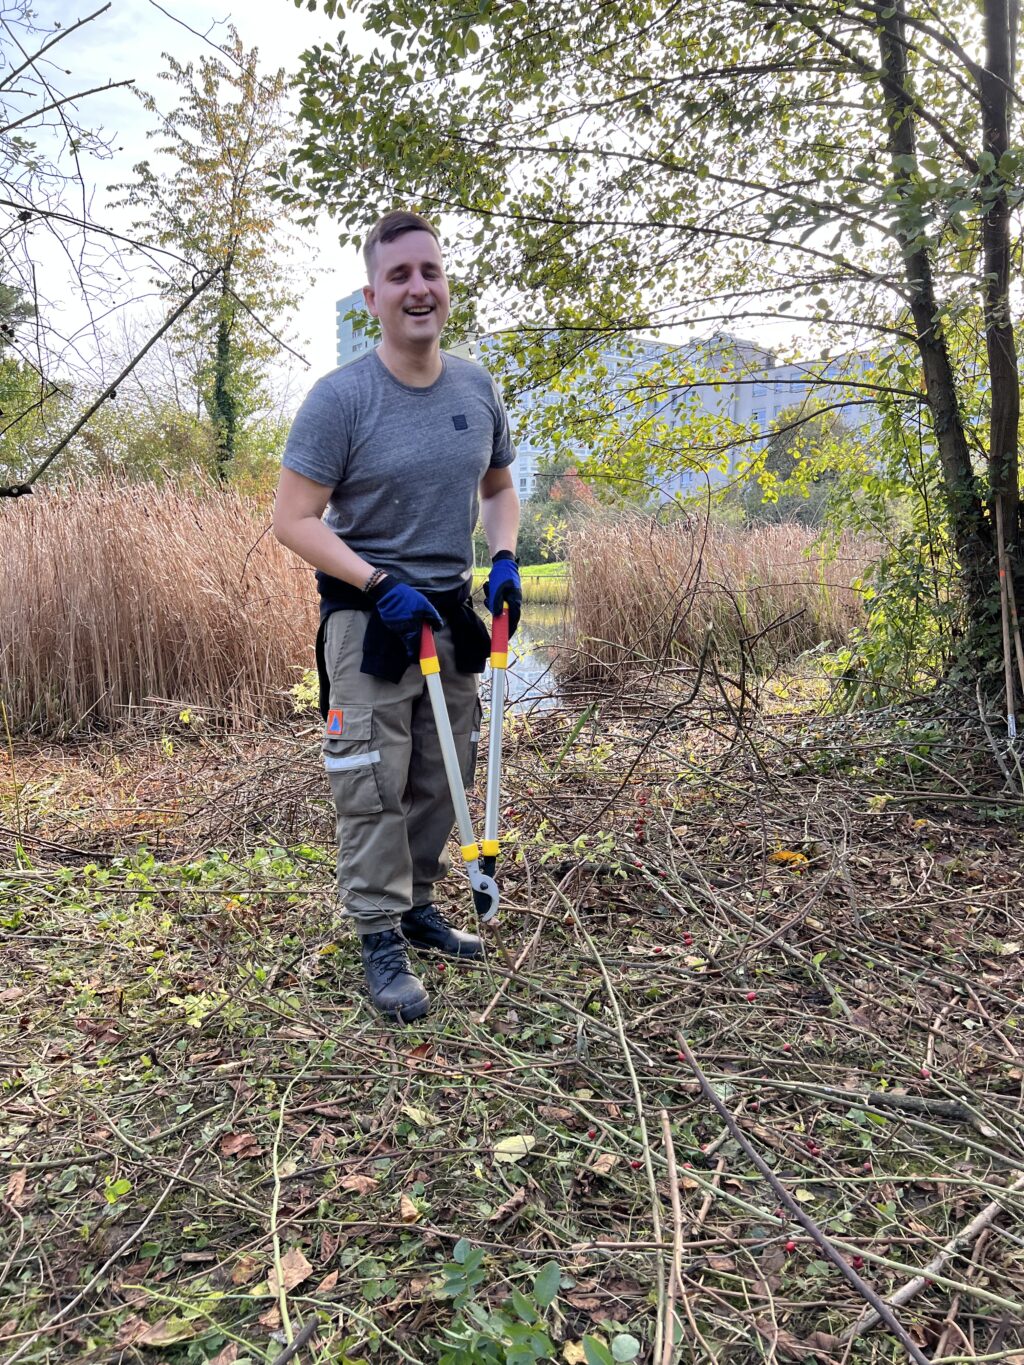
pixel 758 417
pixel 760 389
pixel 522 484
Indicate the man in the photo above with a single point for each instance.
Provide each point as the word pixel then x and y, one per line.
pixel 401 448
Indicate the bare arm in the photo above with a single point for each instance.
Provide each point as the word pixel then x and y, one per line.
pixel 298 507
pixel 499 510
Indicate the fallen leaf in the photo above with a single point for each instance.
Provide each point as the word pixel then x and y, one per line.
pixel 328 1246
pixel 721 1264
pixel 804 1196
pixel 226 1357
pixel 510 1206
pixel 241 1145
pixel 554 1114
pixel 271 1318
pixel 294 1269
pixel 361 1184
pixel 327 1283
pixel 16 1188
pixel 11 993
pixel 167 1332
pixel 246 1268
pixel 574 1353
pixel 604 1163
pixel 330 1111
pixel 421 1117
pixel 514 1148
pixel 407 1210
pixel 585 1302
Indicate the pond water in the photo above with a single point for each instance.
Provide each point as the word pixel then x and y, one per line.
pixel 531 683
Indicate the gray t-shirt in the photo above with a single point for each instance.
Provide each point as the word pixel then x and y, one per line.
pixel 404 464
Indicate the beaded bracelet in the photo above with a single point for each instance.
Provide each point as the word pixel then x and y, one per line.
pixel 374 579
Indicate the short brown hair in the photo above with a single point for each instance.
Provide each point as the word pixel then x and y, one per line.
pixel 392 225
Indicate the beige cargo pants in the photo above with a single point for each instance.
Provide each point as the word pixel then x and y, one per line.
pixel 383 760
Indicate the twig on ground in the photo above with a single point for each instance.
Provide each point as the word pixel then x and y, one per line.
pixel 885 1314
pixel 954 1247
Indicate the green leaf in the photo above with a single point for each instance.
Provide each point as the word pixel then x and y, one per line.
pixel 596 1352
pixel 460 1250
pixel 545 1286
pixel 625 1348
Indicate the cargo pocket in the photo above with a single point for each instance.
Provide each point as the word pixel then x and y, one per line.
pixel 352 762
pixel 472 751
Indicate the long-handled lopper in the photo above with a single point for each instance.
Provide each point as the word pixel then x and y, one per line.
pixel 479 868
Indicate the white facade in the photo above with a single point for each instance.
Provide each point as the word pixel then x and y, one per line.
pixel 750 388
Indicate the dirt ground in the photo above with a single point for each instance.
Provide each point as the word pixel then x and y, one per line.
pixel 213 1145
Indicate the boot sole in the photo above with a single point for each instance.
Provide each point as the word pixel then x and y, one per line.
pixel 403 1016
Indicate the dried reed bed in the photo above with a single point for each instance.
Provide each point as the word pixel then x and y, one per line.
pixel 113 597
pixel 642 592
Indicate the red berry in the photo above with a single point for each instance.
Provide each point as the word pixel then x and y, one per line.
pixel 756 1106
pixel 857 1262
pixel 786 1047
pixel 636 1165
pixel 441 967
pixel 487 1065
pixel 659 950
pixel 641 800
pixel 790 1247
pixel 925 1072
pixel 866 1166
pixel 751 996
pixel 687 1165
pixel 591 1132
pixel 681 1056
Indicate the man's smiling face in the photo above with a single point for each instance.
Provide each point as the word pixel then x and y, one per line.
pixel 409 291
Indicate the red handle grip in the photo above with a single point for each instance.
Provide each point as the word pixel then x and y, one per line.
pixel 499 633
pixel 428 650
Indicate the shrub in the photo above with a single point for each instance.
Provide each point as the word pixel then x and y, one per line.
pixel 113 596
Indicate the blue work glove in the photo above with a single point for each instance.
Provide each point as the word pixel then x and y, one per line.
pixel 504 588
pixel 404 610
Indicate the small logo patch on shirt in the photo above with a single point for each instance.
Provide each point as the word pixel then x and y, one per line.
pixel 335 722
pixel 460 422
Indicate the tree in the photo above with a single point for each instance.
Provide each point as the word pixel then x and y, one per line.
pixel 214 209
pixel 850 164
pixel 791 477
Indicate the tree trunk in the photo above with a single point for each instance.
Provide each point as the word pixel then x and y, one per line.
pixel 972 531
pixel 995 84
pixel 224 405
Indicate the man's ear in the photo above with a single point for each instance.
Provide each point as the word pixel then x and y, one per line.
pixel 369 298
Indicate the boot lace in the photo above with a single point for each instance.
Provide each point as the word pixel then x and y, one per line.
pixel 389 956
pixel 430 917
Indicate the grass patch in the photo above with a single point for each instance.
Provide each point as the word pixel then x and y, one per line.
pixel 541 582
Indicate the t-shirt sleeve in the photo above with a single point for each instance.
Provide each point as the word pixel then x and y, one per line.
pixel 503 451
pixel 319 439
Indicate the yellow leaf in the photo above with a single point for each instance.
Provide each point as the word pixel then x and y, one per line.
pixel 788 857
pixel 573 1353
pixel 805 1196
pixel 514 1148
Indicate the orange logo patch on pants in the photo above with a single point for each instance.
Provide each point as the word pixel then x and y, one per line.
pixel 335 722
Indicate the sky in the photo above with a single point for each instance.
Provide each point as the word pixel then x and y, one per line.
pixel 126 42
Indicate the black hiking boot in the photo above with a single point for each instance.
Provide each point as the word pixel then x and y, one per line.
pixel 425 927
pixel 394 989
